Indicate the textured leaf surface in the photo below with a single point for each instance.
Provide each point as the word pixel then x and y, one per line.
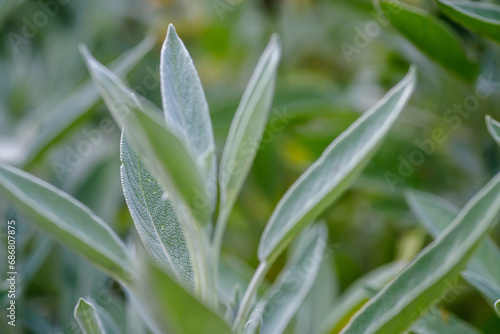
pixel 164 152
pixel 433 37
pixel 248 124
pixel 87 318
pixel 334 171
pixel 72 223
pixel 493 128
pixel 483 271
pixel 481 17
pixel 185 106
pixel 173 308
pixel 154 216
pixel 409 295
pixel 285 296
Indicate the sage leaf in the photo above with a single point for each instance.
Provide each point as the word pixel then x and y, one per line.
pixel 410 294
pixel 154 217
pixel 481 17
pixel 69 221
pixel 438 321
pixel 285 296
pixel 185 106
pixel 482 271
pixel 342 161
pixel 87 318
pixel 248 125
pixel 431 36
pixel 164 152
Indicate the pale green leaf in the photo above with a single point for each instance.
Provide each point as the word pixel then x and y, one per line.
pixel 173 308
pixel 334 171
pixel 481 17
pixel 185 106
pixel 497 307
pixel 72 223
pixel 482 271
pixel 357 295
pixel 51 122
pixel 164 152
pixel 154 216
pixel 432 271
pixel 248 124
pixel 494 128
pixel 432 36
pixel 285 296
pixel 87 318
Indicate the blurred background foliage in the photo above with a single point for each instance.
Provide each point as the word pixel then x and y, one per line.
pixel 48 107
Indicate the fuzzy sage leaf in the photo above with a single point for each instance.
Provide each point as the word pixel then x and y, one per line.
pixel 334 171
pixel 87 318
pixel 72 223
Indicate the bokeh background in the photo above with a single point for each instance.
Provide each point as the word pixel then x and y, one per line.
pixel 336 63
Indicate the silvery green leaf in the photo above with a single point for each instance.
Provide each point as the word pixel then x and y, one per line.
pixel 164 152
pixel 482 271
pixel 357 295
pixel 339 165
pixel 481 17
pixel 248 125
pixel 494 128
pixel 285 296
pixel 154 216
pixel 185 106
pixel 68 220
pixel 87 318
pixel 497 307
pixel 432 271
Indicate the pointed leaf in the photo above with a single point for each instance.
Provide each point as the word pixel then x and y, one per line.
pixel 87 318
pixel 411 293
pixel 72 223
pixel 494 128
pixel 174 309
pixel 285 296
pixel 164 152
pixel 154 216
pixel 497 307
pixel 432 36
pixel 248 124
pixel 334 171
pixel 483 271
pixel 481 17
pixel 185 105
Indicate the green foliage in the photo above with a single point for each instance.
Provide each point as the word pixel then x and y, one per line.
pixel 87 318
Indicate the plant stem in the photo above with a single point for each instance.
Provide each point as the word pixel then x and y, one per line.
pixel 244 307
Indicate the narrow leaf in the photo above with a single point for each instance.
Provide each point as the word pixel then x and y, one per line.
pixel 154 216
pixel 481 17
pixel 334 171
pixel 494 128
pixel 483 271
pixel 87 318
pixel 410 294
pixel 497 307
pixel 164 152
pixel 433 37
pixel 185 105
pixel 174 309
pixel 72 223
pixel 248 124
pixel 438 321
pixel 285 296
